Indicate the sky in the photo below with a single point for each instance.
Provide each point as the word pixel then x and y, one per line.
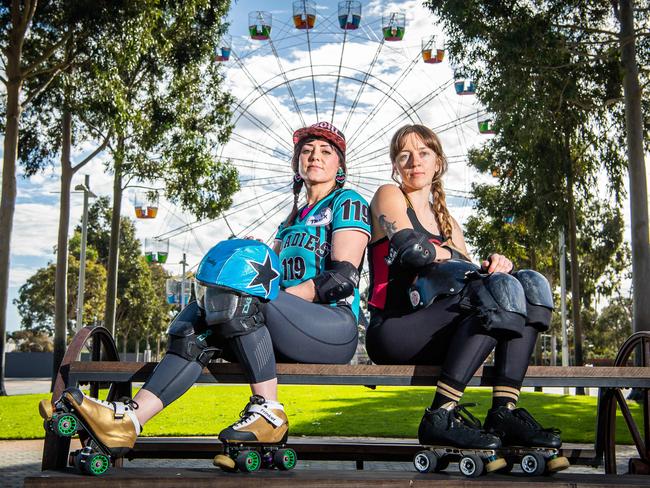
pixel 279 86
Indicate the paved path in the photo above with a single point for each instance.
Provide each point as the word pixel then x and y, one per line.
pixel 19 459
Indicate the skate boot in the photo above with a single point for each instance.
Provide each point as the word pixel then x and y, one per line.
pixel 112 427
pixel 526 441
pixel 257 439
pixel 451 433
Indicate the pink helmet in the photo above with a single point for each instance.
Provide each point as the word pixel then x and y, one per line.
pixel 322 130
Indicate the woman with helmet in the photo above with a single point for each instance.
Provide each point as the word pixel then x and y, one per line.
pixel 297 302
pixel 430 305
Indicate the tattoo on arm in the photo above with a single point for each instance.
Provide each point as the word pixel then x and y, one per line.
pixel 389 227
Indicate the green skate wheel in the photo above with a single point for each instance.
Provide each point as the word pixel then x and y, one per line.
pixel 97 464
pixel 65 425
pixel 285 459
pixel 248 461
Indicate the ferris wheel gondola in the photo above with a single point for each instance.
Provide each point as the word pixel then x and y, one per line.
pixel 259 25
pixel 349 14
pixel 393 26
pixel 304 14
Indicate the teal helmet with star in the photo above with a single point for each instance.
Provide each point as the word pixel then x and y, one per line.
pixel 243 265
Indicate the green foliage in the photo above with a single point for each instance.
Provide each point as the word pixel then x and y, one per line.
pixel 328 410
pixel 142 306
pixel 32 341
pixel 549 74
pixel 35 300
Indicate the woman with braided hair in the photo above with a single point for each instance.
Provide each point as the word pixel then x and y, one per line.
pixel 430 305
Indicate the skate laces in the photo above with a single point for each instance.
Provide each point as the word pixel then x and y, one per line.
pixel 465 416
pixel 523 415
pixel 247 416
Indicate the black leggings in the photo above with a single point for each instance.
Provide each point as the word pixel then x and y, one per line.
pixel 443 334
pixel 296 331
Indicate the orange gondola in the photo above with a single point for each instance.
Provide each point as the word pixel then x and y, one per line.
pixel 393 25
pixel 349 15
pixel 304 14
pixel 145 204
pixel 259 25
pixel 432 53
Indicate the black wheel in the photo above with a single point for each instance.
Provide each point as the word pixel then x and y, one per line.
pixel 425 461
pixel 285 459
pixel 471 465
pixel 248 461
pixel 443 463
pixel 508 467
pixel 533 464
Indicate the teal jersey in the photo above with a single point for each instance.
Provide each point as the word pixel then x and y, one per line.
pixel 305 246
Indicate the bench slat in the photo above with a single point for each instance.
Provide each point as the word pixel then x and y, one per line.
pixel 363 374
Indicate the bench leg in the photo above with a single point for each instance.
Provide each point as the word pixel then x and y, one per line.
pixel 55 451
pixel 359 465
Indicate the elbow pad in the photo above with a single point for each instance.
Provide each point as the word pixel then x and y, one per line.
pixel 336 283
pixel 410 249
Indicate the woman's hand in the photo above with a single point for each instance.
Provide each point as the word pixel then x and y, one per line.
pixel 496 263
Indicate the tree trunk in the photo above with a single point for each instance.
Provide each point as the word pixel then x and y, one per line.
pixel 114 250
pixel 158 347
pixel 636 170
pixel 8 198
pixel 125 340
pixel 137 349
pixel 61 283
pixel 575 272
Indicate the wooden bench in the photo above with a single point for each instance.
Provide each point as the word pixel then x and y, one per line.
pixel 104 369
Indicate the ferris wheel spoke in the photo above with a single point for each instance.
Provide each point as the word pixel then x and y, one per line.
pixel 247 141
pixel 288 84
pixel 362 86
pixel 264 95
pixel 401 118
pixel 381 103
pixel 267 215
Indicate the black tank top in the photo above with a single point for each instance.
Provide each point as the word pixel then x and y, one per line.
pixel 389 285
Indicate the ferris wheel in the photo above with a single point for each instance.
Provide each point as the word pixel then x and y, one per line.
pixel 365 73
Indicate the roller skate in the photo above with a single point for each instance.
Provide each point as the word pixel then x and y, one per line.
pixel 525 441
pixel 257 440
pixel 112 428
pixel 452 433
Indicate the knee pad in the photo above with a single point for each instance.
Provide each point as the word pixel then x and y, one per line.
pixel 230 314
pixel 498 299
pixel 183 339
pixel 439 279
pixel 539 299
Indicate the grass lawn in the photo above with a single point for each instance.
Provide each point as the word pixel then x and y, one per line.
pixel 327 410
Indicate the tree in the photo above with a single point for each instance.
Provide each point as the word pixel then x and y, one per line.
pixel 32 341
pixel 142 309
pixel 35 300
pixel 553 89
pixel 167 108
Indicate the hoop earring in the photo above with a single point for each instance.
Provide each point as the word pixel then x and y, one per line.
pixel 297 178
pixel 340 176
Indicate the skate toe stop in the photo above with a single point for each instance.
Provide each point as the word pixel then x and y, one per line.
pixel 45 409
pixel 224 462
pixel 496 465
pixel 557 464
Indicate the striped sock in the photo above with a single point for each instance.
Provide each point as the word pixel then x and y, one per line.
pixel 503 395
pixel 447 391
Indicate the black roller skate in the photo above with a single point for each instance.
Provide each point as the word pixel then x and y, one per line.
pixel 454 434
pixel 257 440
pixel 525 441
pixel 112 428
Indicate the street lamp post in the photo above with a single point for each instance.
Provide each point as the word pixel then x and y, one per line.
pixel 85 188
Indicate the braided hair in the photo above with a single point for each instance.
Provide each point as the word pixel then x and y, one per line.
pixel 298 181
pixel 438 199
